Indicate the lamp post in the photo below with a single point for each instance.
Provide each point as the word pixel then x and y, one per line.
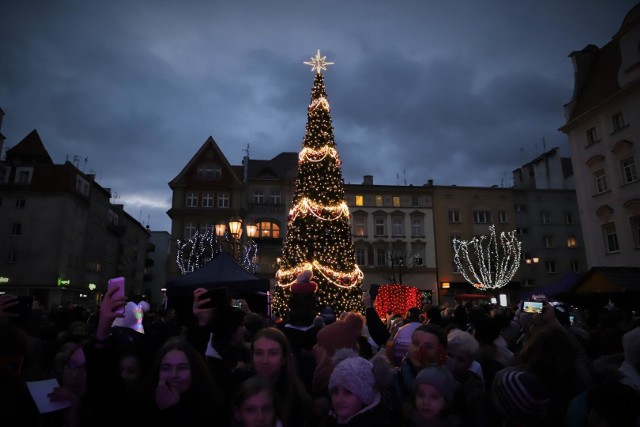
pixel 243 250
pixel 532 261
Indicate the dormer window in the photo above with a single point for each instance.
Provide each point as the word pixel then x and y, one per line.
pixel 23 175
pixel 209 171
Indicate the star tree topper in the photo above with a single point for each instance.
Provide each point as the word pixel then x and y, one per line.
pixel 318 62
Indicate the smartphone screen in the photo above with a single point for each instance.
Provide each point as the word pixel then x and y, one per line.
pixel 118 283
pixel 532 306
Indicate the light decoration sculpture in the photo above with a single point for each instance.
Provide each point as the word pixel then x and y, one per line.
pixel 201 248
pixel 487 263
pixel 319 236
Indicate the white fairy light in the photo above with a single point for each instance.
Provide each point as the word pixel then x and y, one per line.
pixel 198 250
pixel 485 264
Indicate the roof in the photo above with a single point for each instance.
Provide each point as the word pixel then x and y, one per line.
pixel 278 167
pixel 610 280
pixel 30 151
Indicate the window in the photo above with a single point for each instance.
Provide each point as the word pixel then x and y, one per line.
pixel 20 203
pixel 481 217
pixel 378 200
pixel 550 266
pixel 617 122
pixel 207 199
pixel 209 171
pixel 502 217
pixel 416 227
pixel 361 256
pixel 548 241
pixel 23 175
pixel 359 200
pixel 415 201
pixel 360 226
pixel 276 197
pixel 380 256
pixel 592 136
pixel 571 242
pixel 454 216
pixel 82 186
pixel 417 259
pixel 379 226
pixel 206 227
pixel 12 257
pixel 568 218
pixel 223 200
pixel 189 230
pixel 635 230
pixel 16 229
pixel 575 266
pixel 192 199
pixel 610 238
pixel 629 170
pixel 522 231
pixel 545 217
pixel 258 196
pixel 397 228
pixel 600 181
pixel 520 208
pixel 396 201
pixel 268 229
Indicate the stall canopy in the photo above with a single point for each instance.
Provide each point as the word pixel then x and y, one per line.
pixel 562 286
pixel 222 272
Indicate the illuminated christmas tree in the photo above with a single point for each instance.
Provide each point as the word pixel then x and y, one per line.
pixel 318 226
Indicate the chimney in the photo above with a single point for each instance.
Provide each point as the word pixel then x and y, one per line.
pixel 368 180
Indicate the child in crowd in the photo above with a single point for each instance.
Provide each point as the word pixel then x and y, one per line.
pixel 253 404
pixel 434 389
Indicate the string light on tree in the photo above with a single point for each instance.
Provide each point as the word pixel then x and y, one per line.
pixel 318 235
pixel 484 263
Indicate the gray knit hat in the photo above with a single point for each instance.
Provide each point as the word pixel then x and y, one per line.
pixel 440 378
pixel 356 375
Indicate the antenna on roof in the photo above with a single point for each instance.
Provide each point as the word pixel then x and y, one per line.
pixel 246 150
pixel 404 175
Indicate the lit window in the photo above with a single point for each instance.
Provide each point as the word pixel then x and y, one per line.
pixel 360 226
pixel 571 242
pixel 454 215
pixel 192 199
pixel 396 201
pixel 378 200
pixel 223 199
pixel 268 229
pixel 359 200
pixel 610 238
pixel 629 170
pixel 600 181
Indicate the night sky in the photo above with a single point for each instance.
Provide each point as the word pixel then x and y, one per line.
pixel 459 91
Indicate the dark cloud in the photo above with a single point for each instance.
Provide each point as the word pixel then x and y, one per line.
pixel 459 92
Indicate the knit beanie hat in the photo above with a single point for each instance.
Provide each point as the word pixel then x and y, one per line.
pixel 356 375
pixel 341 334
pixel 520 395
pixel 133 315
pixel 440 378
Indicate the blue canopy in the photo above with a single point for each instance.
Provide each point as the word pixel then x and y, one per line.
pixel 567 283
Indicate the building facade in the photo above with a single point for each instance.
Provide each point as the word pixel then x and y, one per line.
pixel 603 130
pixel 393 233
pixel 64 239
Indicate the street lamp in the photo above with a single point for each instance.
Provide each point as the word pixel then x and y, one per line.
pixel 532 261
pixel 243 249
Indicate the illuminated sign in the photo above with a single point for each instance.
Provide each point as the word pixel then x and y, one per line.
pixel 445 285
pixel 4 279
pixel 92 286
pixel 63 282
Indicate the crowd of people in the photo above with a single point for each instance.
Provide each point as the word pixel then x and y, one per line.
pixel 470 365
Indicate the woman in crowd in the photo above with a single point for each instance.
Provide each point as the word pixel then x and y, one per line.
pixel 434 390
pixel 273 361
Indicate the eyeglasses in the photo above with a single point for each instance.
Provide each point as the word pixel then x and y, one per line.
pixel 74 367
